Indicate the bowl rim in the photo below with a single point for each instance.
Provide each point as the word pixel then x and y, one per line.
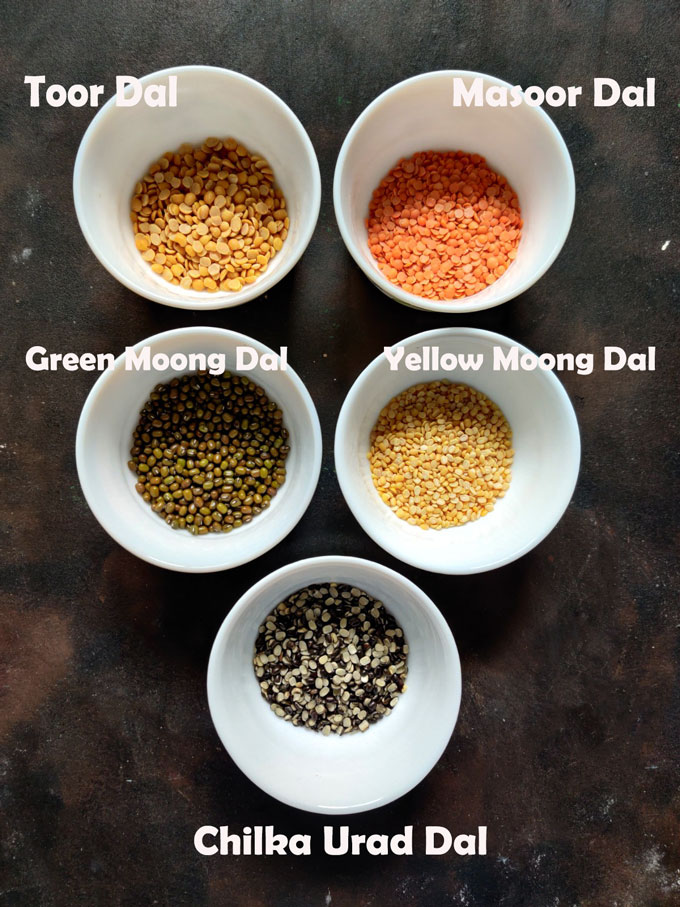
pixel 346 475
pixel 376 276
pixel 213 300
pixel 248 599
pixel 101 514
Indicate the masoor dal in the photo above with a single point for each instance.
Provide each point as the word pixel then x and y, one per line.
pixel 444 225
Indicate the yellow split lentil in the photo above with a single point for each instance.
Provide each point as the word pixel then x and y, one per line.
pixel 209 217
pixel 440 454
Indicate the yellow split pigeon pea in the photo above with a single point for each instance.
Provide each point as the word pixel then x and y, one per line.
pixel 209 217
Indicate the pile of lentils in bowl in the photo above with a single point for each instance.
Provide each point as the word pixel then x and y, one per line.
pixel 331 658
pixel 441 454
pixel 209 452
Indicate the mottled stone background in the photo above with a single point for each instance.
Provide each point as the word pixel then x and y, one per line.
pixel 567 744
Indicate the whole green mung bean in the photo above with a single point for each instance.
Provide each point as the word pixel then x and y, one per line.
pixel 331 658
pixel 209 452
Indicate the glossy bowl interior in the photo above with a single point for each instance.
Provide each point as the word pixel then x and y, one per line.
pixel 354 772
pixel 521 143
pixel 122 142
pixel 103 442
pixel 544 470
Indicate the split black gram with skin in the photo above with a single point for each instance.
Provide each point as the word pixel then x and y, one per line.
pixel 331 658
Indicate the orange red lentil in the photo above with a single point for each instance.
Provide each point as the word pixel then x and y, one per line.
pixel 209 217
pixel 440 454
pixel 443 224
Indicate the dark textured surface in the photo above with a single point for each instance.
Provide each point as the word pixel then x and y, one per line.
pixel 567 744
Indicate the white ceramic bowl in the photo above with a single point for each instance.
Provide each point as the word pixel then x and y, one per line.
pixel 103 442
pixel 121 142
pixel 358 771
pixel 544 471
pixel 522 143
